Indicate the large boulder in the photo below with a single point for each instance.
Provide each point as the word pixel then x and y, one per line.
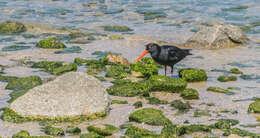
pixel 72 94
pixel 217 36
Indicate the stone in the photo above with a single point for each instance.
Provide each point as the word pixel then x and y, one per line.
pixel 217 36
pixel 72 94
pixel 114 58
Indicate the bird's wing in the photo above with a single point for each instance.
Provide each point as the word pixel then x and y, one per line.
pixel 175 53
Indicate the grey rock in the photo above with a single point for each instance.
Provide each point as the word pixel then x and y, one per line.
pixel 217 36
pixel 72 94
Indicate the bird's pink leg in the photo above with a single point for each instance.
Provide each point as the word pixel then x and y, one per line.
pixel 165 69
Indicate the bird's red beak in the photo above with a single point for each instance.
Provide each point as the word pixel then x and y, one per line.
pixel 143 54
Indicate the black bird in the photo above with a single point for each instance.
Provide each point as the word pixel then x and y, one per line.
pixel 165 55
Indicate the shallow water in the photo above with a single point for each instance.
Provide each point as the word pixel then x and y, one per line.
pixel 175 21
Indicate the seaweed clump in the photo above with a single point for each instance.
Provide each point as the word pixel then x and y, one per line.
pixel 182 107
pixel 24 83
pixel 118 71
pixel 129 89
pixel 119 102
pixel 255 106
pixel 138 104
pixel 117 28
pixel 73 130
pixel 235 71
pixel 108 131
pixel 193 75
pixel 135 132
pixel 12 27
pixel 149 116
pixel 190 94
pixel 155 101
pixel 165 83
pixel 227 78
pixel 49 130
pixel 218 90
pixel 51 43
pixel 147 67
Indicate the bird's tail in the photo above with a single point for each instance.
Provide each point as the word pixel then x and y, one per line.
pixel 187 51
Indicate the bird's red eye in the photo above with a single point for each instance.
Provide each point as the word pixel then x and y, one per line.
pixel 149 47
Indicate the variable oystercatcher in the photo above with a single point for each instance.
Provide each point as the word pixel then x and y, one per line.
pixel 165 55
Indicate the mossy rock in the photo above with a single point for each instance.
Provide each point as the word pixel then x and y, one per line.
pixel 147 67
pixel 182 107
pixel 94 69
pixel 171 131
pixel 254 107
pixel 48 66
pixel 7 78
pixel 149 116
pixel 24 83
pixel 51 43
pixel 20 134
pixel 165 83
pixel 119 102
pixel 155 101
pixel 201 113
pixel 135 132
pixel 218 90
pixel 116 37
pixel 91 135
pixel 118 71
pixel 224 78
pixel 196 128
pixel 108 131
pixel 13 117
pixel 73 130
pixel 65 68
pixel 49 130
pixel 235 71
pixel 224 124
pixel 240 132
pixel 130 89
pixel 193 75
pixel 190 94
pixel 117 28
pixel 15 94
pixel 12 27
pixel 138 104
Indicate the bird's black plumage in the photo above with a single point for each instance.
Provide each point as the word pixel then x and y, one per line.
pixel 167 55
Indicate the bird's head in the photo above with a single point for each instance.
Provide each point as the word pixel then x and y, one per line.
pixel 149 48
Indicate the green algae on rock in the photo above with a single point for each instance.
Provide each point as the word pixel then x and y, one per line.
pixel 15 94
pixel 149 116
pixel 68 50
pixel 117 28
pixel 224 123
pixel 190 94
pixel 235 71
pixel 239 132
pixel 218 90
pixel 147 67
pixel 138 104
pixel 24 83
pixel 118 71
pixel 49 130
pixel 7 78
pixel 182 107
pixel 224 78
pixel 116 37
pixel 51 43
pixel 119 102
pixel 172 130
pixel 201 113
pixel 155 101
pixel 15 48
pixel 12 27
pixel 135 132
pixel 11 116
pixel 47 65
pixel 130 89
pixel 91 135
pixel 73 130
pixel 165 83
pixel 193 75
pixel 108 131
pixel 254 107
pixel 22 133
pixel 65 68
pixel 196 128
